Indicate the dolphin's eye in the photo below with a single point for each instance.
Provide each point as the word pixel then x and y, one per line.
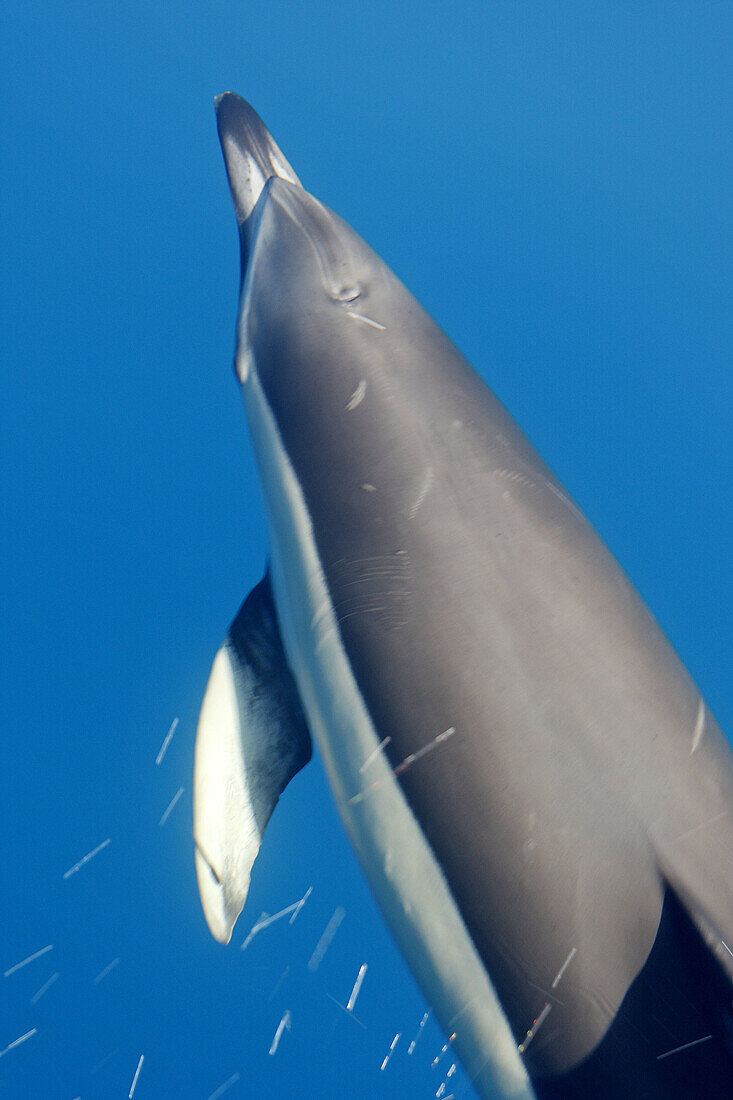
pixel 347 293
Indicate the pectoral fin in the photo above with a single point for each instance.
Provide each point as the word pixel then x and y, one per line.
pixel 251 740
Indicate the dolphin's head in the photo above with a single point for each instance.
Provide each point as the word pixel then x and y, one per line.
pixel 333 353
pixel 299 260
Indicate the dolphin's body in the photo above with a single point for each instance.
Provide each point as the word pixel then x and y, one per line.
pixel 548 828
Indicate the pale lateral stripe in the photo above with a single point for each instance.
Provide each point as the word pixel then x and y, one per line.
pixel 406 878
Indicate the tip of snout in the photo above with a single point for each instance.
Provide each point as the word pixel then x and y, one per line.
pixel 250 152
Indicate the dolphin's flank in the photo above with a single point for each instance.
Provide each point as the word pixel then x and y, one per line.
pixel 537 794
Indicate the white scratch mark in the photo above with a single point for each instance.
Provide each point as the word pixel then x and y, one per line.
pixel 46 985
pixel 325 941
pixel 406 763
pixel 564 967
pixel 166 741
pixel 425 488
pixel 107 970
pixel 704 825
pixel 284 1023
pixel 357 396
pixel 535 1028
pixel 30 959
pixel 86 858
pixel 452 1070
pixel 17 1042
pixel 388 1055
pixel 699 727
pixel 565 499
pixel 441 1091
pixel 423 1022
pixel 366 320
pixel 137 1074
pixel 725 945
pixel 223 1088
pixel 514 475
pixel 169 807
pixel 357 986
pixel 685 1046
pixel 373 755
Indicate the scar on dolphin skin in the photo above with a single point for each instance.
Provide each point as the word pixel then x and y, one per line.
pixel 366 320
pixel 699 727
pixel 357 396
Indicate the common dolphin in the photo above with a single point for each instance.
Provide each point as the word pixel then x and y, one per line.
pixel 539 797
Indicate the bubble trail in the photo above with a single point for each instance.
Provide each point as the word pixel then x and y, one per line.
pixel 166 742
pixel 419 1032
pixel 564 967
pixel 46 985
pixel 534 1028
pixel 30 959
pixel 357 986
pixel 437 1058
pixel 685 1046
pixel 107 970
pixel 409 760
pixel 388 1055
pixel 373 755
pixel 169 807
pixel 325 941
pixel 284 1023
pixel 17 1042
pixel 134 1080
pixel 86 858
pixel 265 920
pixel 224 1088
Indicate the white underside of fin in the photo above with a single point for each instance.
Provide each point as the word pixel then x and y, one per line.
pixel 400 865
pixel 224 828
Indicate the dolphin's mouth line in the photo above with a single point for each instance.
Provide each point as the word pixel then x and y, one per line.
pixel 336 270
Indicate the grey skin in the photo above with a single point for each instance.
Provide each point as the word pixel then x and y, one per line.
pixel 581 814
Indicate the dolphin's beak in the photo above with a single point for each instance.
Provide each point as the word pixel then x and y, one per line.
pixel 251 157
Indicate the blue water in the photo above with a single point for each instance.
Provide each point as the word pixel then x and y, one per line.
pixel 553 182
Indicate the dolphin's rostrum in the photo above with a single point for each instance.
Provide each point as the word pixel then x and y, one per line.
pixel 545 818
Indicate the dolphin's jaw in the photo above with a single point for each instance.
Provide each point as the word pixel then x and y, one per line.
pixel 403 872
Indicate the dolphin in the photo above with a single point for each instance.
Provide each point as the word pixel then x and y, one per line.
pixel 538 796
